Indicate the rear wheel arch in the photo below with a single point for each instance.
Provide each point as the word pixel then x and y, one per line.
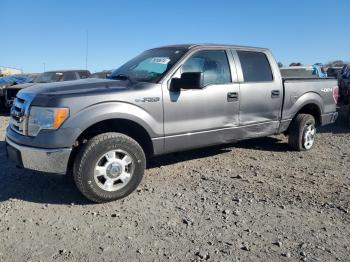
pixel 311 109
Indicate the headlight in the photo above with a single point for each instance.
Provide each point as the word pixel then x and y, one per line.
pixel 45 118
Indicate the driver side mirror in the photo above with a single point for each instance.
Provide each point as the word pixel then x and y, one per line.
pixel 190 80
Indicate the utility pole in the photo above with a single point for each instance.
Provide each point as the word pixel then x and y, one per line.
pixel 87 49
pixel 44 65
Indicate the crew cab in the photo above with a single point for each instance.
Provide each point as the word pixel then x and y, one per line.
pixel 167 99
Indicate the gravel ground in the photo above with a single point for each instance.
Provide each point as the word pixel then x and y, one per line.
pixel 249 201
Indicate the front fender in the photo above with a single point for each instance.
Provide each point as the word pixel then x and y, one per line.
pixel 116 110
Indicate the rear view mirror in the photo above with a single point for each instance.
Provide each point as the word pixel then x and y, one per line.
pixel 191 80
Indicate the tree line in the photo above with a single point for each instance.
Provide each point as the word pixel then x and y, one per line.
pixel 335 63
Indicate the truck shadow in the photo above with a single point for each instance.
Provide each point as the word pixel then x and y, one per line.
pixel 44 188
pixel 34 186
pixel 173 158
pixel 272 144
pixel 265 144
pixel 341 126
pixel 54 189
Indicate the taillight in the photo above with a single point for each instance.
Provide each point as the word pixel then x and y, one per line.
pixel 336 94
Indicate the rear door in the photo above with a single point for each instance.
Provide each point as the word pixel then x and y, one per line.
pixel 261 89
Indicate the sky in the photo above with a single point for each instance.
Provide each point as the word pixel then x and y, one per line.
pixel 53 34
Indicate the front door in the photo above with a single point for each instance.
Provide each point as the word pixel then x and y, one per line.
pixel 199 117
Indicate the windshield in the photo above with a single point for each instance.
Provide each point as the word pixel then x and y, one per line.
pixel 150 66
pixel 48 77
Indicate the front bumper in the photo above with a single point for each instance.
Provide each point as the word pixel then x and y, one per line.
pixel 329 118
pixel 39 159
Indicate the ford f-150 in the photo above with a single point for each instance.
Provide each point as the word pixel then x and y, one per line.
pixel 167 99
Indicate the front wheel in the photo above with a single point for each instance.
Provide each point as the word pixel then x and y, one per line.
pixel 302 132
pixel 108 167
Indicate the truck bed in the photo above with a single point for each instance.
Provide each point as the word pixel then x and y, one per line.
pixel 320 91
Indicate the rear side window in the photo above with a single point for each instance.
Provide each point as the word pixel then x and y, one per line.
pixel 255 66
pixel 212 63
pixel 83 74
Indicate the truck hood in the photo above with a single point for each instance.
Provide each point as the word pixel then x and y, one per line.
pixel 90 85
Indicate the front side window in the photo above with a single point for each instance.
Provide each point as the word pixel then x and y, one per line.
pixel 150 66
pixel 69 76
pixel 255 66
pixel 212 63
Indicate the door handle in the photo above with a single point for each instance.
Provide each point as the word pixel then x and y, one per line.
pixel 232 96
pixel 275 93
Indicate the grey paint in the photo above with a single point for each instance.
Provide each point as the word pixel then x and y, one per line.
pixel 179 120
pixel 299 93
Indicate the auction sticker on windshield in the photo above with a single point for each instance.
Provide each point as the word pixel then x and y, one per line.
pixel 160 60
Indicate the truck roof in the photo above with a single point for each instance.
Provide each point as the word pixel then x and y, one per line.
pixel 190 46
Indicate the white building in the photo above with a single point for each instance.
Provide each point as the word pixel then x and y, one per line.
pixel 7 71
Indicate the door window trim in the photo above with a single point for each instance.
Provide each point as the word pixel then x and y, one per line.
pixel 240 71
pixel 189 54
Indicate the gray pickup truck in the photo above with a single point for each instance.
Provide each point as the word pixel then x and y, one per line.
pixel 167 99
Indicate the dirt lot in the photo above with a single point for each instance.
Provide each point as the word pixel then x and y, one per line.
pixel 250 201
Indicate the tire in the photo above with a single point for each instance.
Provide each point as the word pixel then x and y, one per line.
pixel 110 153
pixel 300 132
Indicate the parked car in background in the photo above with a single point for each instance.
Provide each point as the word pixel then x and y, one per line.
pixel 103 74
pixel 333 71
pixel 167 99
pixel 7 82
pixel 10 92
pixel 344 86
pixel 34 76
pixel 342 73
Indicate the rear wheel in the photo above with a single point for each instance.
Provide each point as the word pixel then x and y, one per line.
pixel 302 132
pixel 109 167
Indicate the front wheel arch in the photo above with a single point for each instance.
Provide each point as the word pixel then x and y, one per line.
pixel 123 126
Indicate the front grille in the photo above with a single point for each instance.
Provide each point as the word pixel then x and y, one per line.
pixel 19 114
